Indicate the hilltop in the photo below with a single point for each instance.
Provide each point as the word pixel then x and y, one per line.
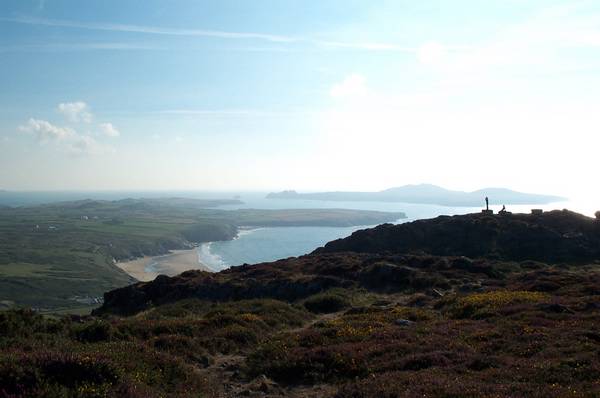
pixel 550 237
pixel 426 194
pixel 387 312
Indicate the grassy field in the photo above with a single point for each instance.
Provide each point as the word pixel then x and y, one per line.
pixel 61 256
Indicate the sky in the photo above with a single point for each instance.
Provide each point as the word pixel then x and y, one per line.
pixel 305 95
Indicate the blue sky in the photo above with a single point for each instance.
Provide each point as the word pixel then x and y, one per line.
pixel 308 95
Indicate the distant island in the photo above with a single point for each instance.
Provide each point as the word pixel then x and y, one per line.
pixel 426 194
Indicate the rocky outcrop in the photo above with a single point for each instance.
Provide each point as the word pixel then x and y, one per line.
pixel 556 236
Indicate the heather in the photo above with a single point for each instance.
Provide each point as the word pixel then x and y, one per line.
pixel 163 352
pixel 340 324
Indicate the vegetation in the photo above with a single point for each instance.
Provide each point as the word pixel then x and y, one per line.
pixel 500 341
pixel 327 324
pixel 62 255
pixel 164 352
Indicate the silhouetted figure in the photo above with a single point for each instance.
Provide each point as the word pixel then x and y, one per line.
pixel 487 203
pixel 503 209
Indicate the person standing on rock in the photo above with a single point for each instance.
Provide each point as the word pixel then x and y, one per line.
pixel 487 203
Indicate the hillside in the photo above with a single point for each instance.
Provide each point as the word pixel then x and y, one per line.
pixel 337 324
pixel 426 194
pixel 61 255
pixel 554 236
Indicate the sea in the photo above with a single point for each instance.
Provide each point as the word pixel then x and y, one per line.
pixel 255 245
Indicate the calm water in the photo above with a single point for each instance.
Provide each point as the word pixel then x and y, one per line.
pixel 267 244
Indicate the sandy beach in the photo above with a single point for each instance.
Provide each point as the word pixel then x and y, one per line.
pixel 147 268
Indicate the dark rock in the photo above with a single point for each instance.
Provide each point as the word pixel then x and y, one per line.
pixel 403 322
pixel 554 236
pixel 555 308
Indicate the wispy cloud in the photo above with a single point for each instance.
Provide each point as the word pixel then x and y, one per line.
pixel 371 46
pixel 155 30
pixel 150 29
pixel 216 113
pixel 236 113
pixel 86 46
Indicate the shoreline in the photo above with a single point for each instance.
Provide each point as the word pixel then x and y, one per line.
pixel 147 268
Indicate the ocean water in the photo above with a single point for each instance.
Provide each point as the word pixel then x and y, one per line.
pixel 268 244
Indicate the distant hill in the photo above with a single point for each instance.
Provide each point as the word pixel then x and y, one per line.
pixel 426 194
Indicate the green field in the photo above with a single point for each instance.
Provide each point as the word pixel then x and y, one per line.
pixel 61 256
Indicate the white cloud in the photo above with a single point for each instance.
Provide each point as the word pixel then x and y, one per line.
pixel 86 145
pixel 76 111
pixel 109 130
pixel 352 86
pixel 46 131
pixel 67 138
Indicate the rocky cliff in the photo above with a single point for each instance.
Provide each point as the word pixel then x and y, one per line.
pixel 556 236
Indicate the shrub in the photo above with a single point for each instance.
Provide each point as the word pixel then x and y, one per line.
pixel 238 334
pixel 481 305
pixel 56 374
pixel 72 370
pixel 22 323
pixel 182 346
pixel 95 331
pixel 325 303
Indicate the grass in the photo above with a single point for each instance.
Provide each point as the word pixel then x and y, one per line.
pixel 49 255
